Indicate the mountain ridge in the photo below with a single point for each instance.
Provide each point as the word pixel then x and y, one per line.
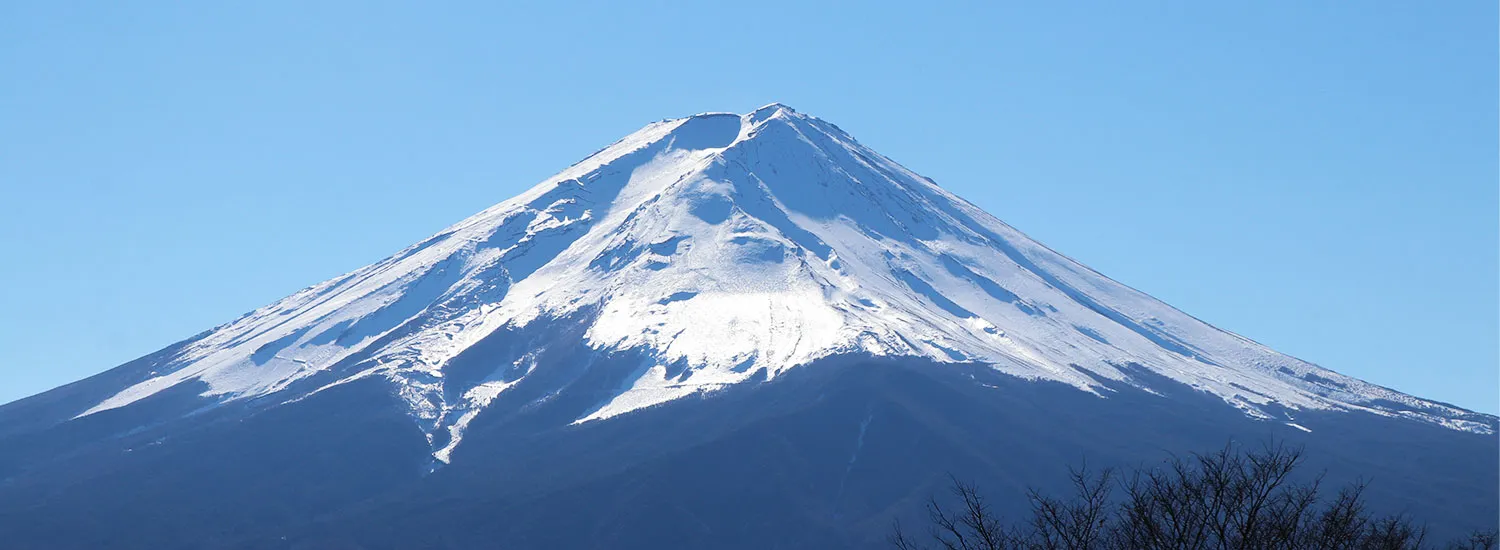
pixel 728 331
pixel 730 248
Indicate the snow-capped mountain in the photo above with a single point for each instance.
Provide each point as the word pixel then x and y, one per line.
pixel 731 248
pixel 725 331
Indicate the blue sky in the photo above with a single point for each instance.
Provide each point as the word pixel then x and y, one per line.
pixel 1318 176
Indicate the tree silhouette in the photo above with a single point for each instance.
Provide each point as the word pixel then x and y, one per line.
pixel 1223 500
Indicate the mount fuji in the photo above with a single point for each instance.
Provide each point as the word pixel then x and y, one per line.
pixel 720 331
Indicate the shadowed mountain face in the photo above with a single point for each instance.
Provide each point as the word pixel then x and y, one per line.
pixel 822 458
pixel 721 331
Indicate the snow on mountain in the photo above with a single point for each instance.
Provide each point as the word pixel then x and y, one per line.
pixel 727 249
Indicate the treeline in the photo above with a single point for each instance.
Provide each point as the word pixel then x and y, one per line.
pixel 1225 500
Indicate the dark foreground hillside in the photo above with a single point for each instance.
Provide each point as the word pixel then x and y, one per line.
pixel 819 458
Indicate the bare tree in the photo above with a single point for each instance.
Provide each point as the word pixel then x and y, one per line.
pixel 972 527
pixel 1079 524
pixel 1479 540
pixel 1224 500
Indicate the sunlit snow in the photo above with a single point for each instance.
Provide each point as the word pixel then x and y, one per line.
pixel 718 246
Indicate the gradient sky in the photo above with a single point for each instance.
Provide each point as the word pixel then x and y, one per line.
pixel 1318 176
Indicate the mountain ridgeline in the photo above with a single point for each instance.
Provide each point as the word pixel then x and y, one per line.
pixel 728 331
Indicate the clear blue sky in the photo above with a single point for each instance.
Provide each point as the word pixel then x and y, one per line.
pixel 1318 176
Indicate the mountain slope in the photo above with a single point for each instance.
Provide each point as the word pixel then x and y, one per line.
pixel 733 274
pixel 729 247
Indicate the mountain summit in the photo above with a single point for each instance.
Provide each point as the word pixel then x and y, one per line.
pixel 729 248
pixel 693 258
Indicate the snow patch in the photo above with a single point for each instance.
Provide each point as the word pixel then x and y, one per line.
pixel 718 245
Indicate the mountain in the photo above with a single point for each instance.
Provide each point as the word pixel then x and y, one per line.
pixel 722 330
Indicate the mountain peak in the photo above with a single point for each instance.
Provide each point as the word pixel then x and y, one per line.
pixel 750 318
pixel 717 250
pixel 773 107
